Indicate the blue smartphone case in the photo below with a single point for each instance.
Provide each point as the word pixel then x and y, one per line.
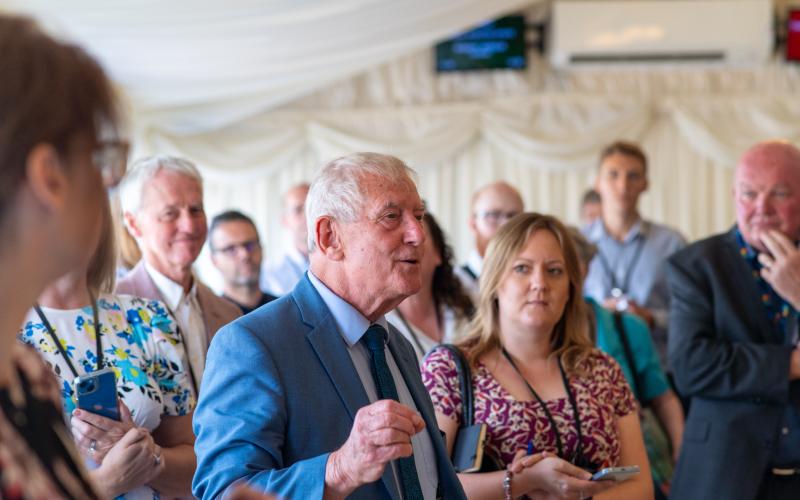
pixel 97 393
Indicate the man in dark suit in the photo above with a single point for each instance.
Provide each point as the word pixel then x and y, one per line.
pixel 733 336
pixel 314 395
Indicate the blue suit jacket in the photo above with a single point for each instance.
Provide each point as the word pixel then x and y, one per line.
pixel 280 393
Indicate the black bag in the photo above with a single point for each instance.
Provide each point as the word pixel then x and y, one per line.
pixel 469 454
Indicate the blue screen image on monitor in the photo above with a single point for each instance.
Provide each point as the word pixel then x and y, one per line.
pixel 498 44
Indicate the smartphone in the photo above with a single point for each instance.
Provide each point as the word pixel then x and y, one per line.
pixel 617 474
pixel 97 393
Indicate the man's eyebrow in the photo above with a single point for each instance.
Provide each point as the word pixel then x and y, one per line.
pixel 389 204
pixel 395 205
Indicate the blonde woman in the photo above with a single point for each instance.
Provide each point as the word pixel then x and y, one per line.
pixel 148 452
pixel 539 384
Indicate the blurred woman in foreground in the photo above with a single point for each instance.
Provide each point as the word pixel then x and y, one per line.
pixel 58 150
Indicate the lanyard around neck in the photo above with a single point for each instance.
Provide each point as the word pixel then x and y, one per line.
pixel 612 271
pixel 97 336
pixel 411 332
pixel 572 402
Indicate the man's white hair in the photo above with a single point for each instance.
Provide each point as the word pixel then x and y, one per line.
pixel 337 189
pixel 144 169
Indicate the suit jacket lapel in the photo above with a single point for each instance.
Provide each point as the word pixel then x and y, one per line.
pixel 211 318
pixel 143 284
pixel 409 367
pixel 329 347
pixel 332 352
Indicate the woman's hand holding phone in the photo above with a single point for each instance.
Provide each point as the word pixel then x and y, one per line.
pixel 95 435
pixel 553 478
pixel 130 463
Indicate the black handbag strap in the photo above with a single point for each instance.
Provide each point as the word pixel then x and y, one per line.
pixel 464 383
pixel 468 270
pixel 626 346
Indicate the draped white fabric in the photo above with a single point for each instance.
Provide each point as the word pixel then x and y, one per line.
pixel 199 65
pixel 259 115
pixel 544 138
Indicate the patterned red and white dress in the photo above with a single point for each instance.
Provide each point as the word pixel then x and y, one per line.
pixel 602 397
pixel 38 460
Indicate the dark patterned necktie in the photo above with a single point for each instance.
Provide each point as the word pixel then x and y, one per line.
pixel 375 340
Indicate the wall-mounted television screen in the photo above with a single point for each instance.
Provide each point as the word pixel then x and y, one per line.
pixel 498 44
pixel 793 35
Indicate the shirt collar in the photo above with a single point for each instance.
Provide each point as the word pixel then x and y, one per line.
pixel 171 292
pixel 297 257
pixel 352 324
pixel 475 262
pixel 746 250
pixel 597 230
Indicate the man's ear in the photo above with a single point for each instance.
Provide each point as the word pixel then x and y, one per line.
pixel 132 225
pixel 213 256
pixel 46 176
pixel 471 223
pixel 327 235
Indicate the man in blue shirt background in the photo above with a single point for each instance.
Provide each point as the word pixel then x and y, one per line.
pixel 628 272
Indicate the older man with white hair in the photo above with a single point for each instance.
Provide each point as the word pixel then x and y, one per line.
pixel 162 202
pixel 315 395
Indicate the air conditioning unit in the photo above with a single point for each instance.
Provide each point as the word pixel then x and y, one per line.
pixel 652 31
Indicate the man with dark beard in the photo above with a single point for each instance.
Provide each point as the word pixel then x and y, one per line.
pixel 236 252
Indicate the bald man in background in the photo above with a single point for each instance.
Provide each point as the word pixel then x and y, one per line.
pixel 492 206
pixel 280 277
pixel 733 336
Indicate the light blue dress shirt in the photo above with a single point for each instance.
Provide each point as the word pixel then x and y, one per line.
pixel 352 326
pixel 635 265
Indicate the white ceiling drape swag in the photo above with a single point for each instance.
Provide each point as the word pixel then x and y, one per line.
pixel 201 65
pixel 552 132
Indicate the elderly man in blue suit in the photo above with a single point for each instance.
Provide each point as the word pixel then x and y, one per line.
pixel 314 395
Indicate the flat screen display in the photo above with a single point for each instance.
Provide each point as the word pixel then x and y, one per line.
pixel 793 35
pixel 498 44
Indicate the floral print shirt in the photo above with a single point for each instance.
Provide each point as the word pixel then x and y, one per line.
pixel 602 398
pixel 140 344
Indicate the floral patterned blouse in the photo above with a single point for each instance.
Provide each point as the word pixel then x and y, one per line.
pixel 511 424
pixel 140 344
pixel 38 460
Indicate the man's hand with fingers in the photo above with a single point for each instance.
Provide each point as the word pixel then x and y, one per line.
pixel 381 433
pixel 781 266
